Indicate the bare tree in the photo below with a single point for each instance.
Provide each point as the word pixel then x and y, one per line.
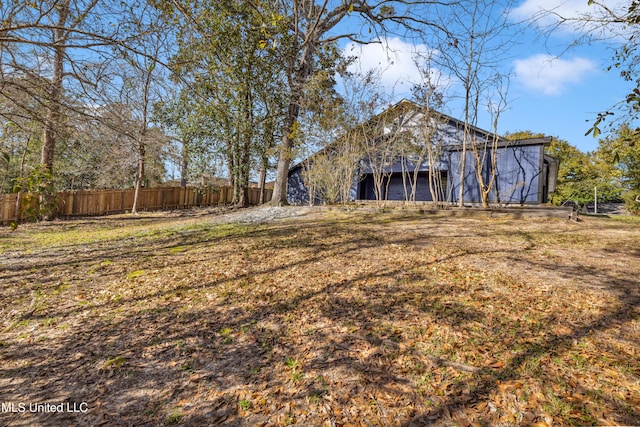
pixel 485 150
pixel 329 126
pixel 330 174
pixel 29 29
pixel 69 46
pixel 479 34
pixel 143 83
pixel 381 139
pixel 429 97
pixel 432 152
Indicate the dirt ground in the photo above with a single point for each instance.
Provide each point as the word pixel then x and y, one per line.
pixel 298 316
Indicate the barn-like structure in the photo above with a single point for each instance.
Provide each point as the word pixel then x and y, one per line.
pixel 524 174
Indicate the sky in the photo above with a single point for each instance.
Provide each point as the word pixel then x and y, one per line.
pixel 556 87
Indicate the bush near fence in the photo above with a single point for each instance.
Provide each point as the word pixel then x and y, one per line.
pixel 103 202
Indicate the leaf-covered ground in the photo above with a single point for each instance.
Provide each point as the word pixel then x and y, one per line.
pixel 328 319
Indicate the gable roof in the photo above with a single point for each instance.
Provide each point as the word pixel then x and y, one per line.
pixel 405 104
pixel 443 118
pixel 502 141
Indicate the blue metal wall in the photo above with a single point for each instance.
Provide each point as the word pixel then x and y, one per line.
pixel 518 174
pixel 297 193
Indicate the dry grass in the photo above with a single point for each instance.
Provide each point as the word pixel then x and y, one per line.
pixel 333 318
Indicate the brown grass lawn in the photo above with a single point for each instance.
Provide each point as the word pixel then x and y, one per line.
pixel 333 318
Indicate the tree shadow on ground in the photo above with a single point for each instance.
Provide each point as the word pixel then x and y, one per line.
pixel 625 310
pixel 348 342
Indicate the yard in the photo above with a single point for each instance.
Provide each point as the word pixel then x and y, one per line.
pixel 328 318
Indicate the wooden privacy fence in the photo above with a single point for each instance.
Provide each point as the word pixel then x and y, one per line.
pixel 102 202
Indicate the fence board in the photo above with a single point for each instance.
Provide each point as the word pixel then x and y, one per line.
pixel 102 202
pixel 8 208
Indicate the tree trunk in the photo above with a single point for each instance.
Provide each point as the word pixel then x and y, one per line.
pixel 404 177
pixel 53 117
pixel 244 155
pixel 299 79
pixel 243 199
pixel 235 192
pixel 139 178
pixel 142 141
pixel 261 180
pixel 184 166
pixel 243 175
pixel 279 196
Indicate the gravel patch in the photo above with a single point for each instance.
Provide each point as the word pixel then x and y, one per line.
pixel 262 214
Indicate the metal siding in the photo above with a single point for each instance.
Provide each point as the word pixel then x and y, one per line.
pixel 518 178
pixel 297 193
pixel 471 187
pixel 423 192
pixel 353 192
pixel 542 175
pixel 518 174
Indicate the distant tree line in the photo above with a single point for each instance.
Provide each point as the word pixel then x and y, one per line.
pixel 105 93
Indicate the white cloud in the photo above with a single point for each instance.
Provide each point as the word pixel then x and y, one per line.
pixel 568 8
pixel 552 75
pixel 394 59
pixel 572 16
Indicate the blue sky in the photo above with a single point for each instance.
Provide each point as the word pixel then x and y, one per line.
pixel 554 87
